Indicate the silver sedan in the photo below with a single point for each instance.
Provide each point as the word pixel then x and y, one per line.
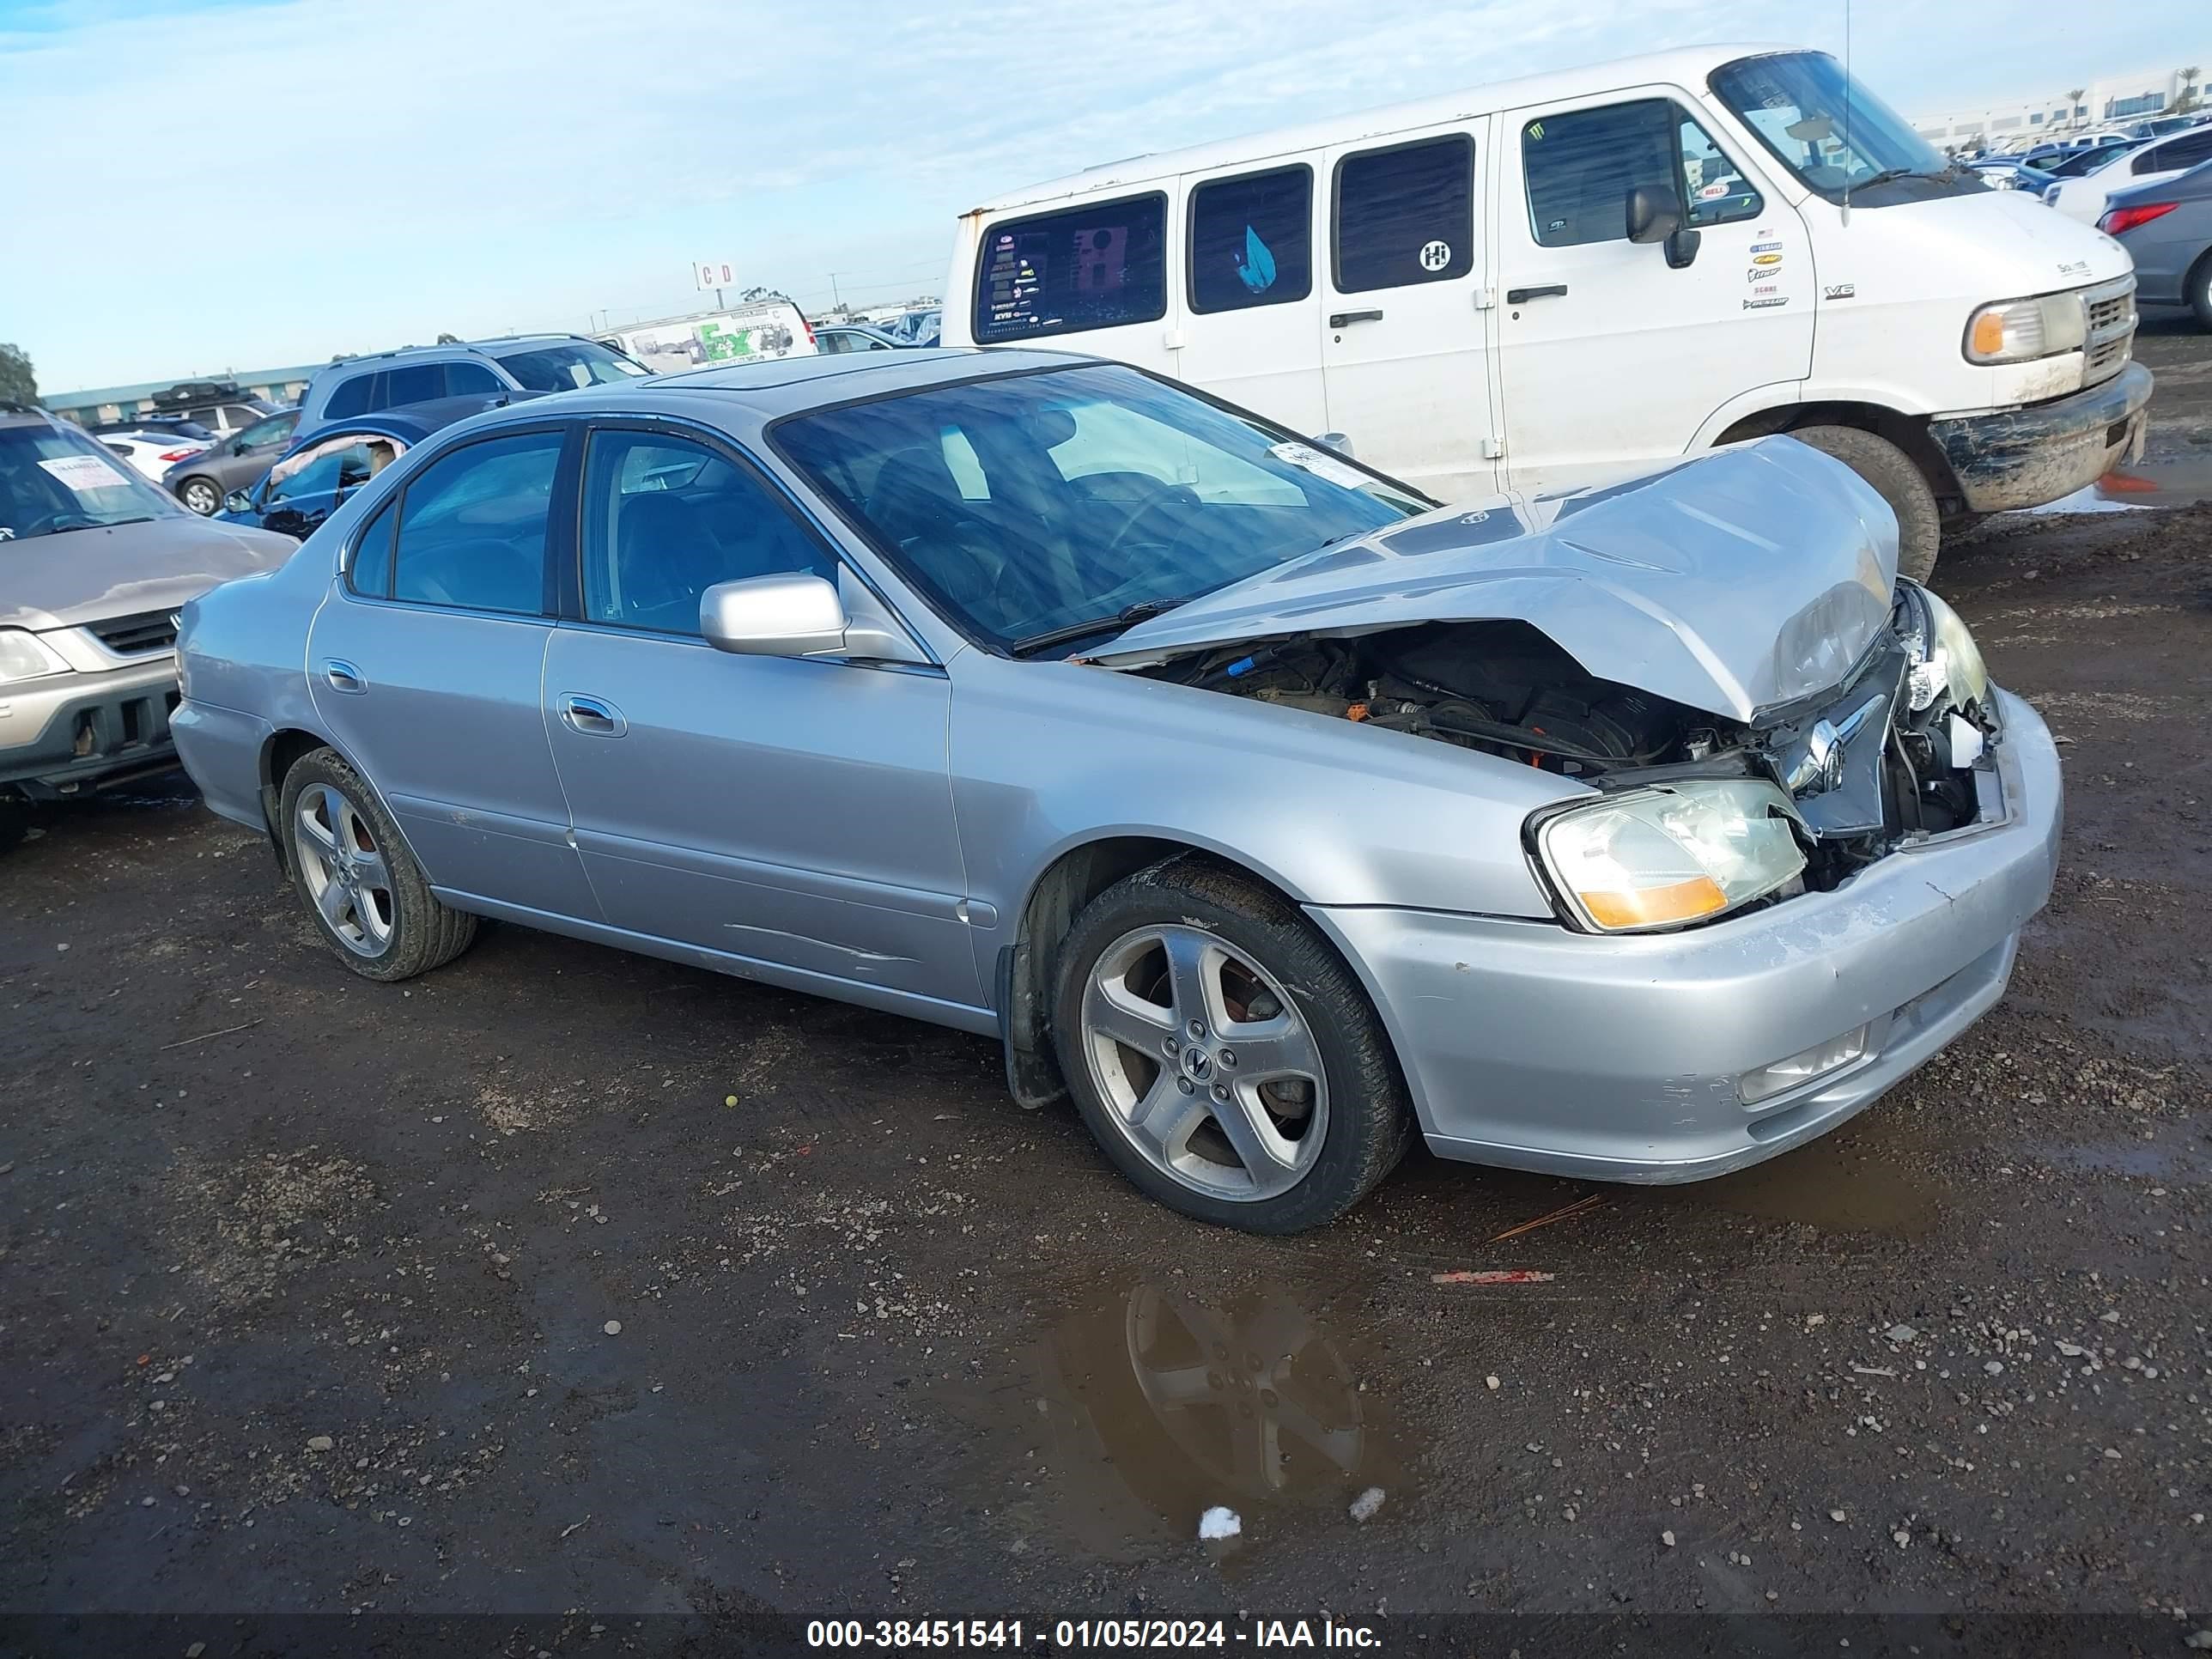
pixel 1274 813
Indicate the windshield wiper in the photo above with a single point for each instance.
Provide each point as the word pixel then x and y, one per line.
pixel 1141 611
pixel 1888 174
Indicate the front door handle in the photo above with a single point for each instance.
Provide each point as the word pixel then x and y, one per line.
pixel 1515 296
pixel 344 676
pixel 1346 319
pixel 593 717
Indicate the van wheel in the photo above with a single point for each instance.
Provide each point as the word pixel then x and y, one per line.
pixel 1222 1055
pixel 1897 481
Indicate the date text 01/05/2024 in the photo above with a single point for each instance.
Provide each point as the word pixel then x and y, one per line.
pixel 1083 1633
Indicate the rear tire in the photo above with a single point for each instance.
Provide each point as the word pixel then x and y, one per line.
pixel 351 869
pixel 2199 290
pixel 1222 1055
pixel 201 496
pixel 1898 480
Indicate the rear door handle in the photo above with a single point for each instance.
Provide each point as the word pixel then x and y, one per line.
pixel 1346 319
pixel 344 676
pixel 1515 296
pixel 593 717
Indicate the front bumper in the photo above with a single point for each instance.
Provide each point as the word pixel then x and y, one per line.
pixel 2045 450
pixel 65 734
pixel 1618 1058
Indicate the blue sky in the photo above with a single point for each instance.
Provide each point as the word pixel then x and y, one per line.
pixel 197 184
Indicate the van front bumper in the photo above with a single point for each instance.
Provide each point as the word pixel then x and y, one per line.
pixel 2047 451
pixel 1623 1059
pixel 66 734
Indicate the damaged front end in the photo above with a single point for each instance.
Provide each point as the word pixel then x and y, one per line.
pixel 1695 815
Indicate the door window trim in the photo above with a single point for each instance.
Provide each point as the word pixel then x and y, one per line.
pixel 1336 207
pixel 561 519
pixel 717 442
pixel 1190 237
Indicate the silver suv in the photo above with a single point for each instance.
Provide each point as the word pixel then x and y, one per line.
pixel 417 374
pixel 95 563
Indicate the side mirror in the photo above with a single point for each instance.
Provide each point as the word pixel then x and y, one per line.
pixel 782 615
pixel 238 502
pixel 1655 215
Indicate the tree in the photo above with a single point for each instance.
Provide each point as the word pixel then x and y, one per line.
pixel 2190 95
pixel 2074 105
pixel 18 383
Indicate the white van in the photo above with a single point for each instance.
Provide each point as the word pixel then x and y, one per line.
pixel 1554 281
pixel 767 328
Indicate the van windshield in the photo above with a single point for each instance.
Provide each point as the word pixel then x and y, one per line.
pixel 52 481
pixel 1834 134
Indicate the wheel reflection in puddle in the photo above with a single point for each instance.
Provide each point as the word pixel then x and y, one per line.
pixel 1166 1403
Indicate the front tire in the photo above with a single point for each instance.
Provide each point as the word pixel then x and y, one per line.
pixel 353 871
pixel 1222 1055
pixel 1898 480
pixel 201 496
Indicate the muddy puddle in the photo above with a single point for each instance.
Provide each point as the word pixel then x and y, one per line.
pixel 1165 1401
pixel 1829 1186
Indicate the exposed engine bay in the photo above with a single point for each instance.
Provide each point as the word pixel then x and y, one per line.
pixel 1888 757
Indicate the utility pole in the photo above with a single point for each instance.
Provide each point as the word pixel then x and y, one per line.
pixel 836 304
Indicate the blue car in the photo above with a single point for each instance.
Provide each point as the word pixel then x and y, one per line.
pixel 323 466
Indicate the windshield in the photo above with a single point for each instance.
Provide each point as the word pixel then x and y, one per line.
pixel 53 480
pixel 1036 510
pixel 1826 127
pixel 565 366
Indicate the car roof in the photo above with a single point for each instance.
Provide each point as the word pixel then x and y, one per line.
pixel 490 348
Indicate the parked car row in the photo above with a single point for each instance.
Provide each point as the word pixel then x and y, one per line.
pixel 2165 226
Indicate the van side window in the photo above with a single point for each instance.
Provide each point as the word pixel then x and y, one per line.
pixel 1581 164
pixel 1714 190
pixel 1406 215
pixel 1251 239
pixel 1098 267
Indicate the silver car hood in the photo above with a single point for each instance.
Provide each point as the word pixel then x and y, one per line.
pixel 87 575
pixel 1750 577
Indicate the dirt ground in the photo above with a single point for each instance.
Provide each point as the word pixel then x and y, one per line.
pixel 651 1310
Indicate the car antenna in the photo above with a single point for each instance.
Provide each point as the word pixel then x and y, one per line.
pixel 1847 114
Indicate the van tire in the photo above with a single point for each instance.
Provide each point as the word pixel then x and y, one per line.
pixel 1898 479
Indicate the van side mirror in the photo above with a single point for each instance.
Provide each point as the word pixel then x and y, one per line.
pixel 795 614
pixel 1655 215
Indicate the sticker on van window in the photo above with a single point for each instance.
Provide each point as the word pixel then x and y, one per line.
pixel 1257 271
pixel 1713 192
pixel 1435 256
pixel 82 473
pixel 1320 464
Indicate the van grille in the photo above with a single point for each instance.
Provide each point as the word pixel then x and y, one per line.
pixel 2111 329
pixel 140 635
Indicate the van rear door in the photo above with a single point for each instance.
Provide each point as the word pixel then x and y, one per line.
pixel 1099 272
pixel 1405 351
pixel 1252 288
pixel 1610 360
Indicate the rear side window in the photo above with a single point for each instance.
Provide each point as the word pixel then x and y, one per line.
pixel 1251 241
pixel 468 379
pixel 371 570
pixel 2176 153
pixel 1580 166
pixel 416 383
pixel 472 525
pixel 1099 267
pixel 351 398
pixel 1405 214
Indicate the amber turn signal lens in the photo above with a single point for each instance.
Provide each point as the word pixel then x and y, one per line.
pixel 1654 907
pixel 1989 334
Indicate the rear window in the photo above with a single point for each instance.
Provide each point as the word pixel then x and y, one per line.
pixel 1405 214
pixel 1100 266
pixel 1251 241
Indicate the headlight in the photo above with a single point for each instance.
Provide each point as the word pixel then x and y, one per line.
pixel 1671 853
pixel 26 656
pixel 2014 331
pixel 1944 655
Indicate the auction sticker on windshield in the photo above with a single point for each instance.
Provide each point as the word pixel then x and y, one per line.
pixel 83 473
pixel 1321 465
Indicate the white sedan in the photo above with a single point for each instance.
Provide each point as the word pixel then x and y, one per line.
pixel 152 453
pixel 2085 197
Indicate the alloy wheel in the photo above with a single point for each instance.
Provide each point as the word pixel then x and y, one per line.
pixel 200 497
pixel 345 873
pixel 1205 1063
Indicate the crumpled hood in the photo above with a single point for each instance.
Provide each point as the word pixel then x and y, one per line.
pixel 1745 579
pixel 89 576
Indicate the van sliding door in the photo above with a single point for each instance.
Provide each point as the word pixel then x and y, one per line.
pixel 1251 289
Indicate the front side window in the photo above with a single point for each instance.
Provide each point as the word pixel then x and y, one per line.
pixel 1405 214
pixel 1832 133
pixel 56 479
pixel 328 473
pixel 271 434
pixel 472 525
pixel 1579 166
pixel 1251 241
pixel 1099 267
pixel 665 518
pixel 567 365
pixel 1035 511
pixel 351 397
